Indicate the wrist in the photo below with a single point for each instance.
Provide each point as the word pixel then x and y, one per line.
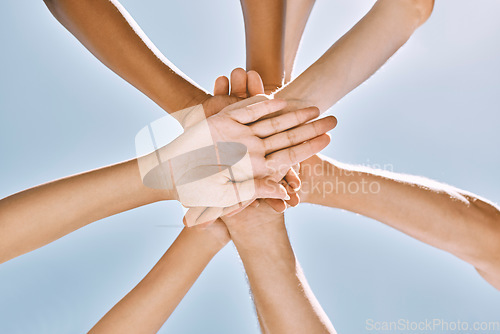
pixel 192 111
pixel 211 238
pixel 321 180
pixel 256 233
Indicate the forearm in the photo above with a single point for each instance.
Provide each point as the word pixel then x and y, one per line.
pixel 437 214
pixel 264 33
pixel 297 14
pixel 40 215
pixel 152 301
pixel 287 307
pixel 106 29
pixel 358 54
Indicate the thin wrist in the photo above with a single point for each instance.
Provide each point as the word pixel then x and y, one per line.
pixel 210 239
pixel 196 99
pixel 321 181
pixel 148 194
pixel 253 233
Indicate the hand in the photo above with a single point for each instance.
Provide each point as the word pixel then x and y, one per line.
pixel 231 157
pixel 242 86
pixel 257 93
pixel 291 181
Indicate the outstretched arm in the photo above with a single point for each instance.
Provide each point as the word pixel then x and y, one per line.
pixel 106 29
pixel 226 159
pixel 440 215
pixel 35 217
pixel 264 31
pixel 152 301
pixel 297 14
pixel 283 299
pixel 358 54
pixel 273 30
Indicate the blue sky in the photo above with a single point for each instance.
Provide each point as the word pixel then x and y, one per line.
pixel 432 110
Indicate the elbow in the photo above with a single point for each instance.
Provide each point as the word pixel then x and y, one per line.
pixel 418 11
pixel 423 8
pixel 54 7
pixel 491 253
pixel 50 3
pixel 485 254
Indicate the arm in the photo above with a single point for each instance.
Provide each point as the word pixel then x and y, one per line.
pixel 440 215
pixel 358 54
pixel 297 14
pixel 40 215
pixel 106 29
pixel 264 30
pixel 273 30
pixel 152 301
pixel 283 299
pixel 37 216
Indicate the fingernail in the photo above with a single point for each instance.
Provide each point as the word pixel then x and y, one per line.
pixel 287 197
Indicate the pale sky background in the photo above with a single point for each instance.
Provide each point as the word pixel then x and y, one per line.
pixel 433 110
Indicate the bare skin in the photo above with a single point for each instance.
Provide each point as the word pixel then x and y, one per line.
pixel 35 217
pixel 283 299
pixel 152 301
pixel 264 26
pixel 440 215
pixel 106 29
pixel 297 15
pixel 451 219
pixel 262 241
pixel 354 57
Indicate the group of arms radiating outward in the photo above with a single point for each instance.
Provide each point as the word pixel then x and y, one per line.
pixel 240 194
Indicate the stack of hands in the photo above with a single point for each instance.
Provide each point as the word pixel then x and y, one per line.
pixel 247 153
pixel 237 156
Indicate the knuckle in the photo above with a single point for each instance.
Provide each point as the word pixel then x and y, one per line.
pixel 299 117
pixel 275 124
pixel 292 137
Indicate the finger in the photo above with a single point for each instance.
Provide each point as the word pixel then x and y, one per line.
pixel 286 158
pixel 293 179
pixel 239 83
pixel 299 135
pixel 260 188
pixel 255 86
pixel 277 124
pixel 294 197
pixel 253 112
pixel 221 86
pixel 277 204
